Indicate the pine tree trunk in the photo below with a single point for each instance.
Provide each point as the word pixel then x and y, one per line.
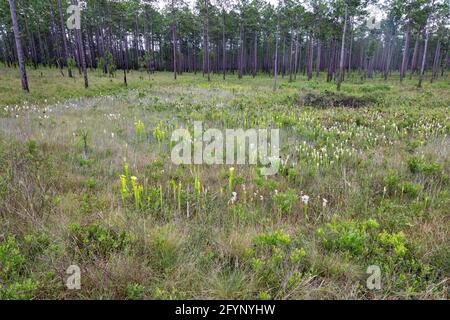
pixel 154 66
pixel 275 65
pixel 224 57
pixel 388 60
pixel 299 57
pixel 351 48
pixel 64 40
pixel 283 60
pixel 136 43
pixel 31 44
pixel 318 57
pixel 405 51
pixel 42 49
pixel 341 64
pixel 310 57
pixel 241 52
pixel 445 62
pixel 207 62
pixel 82 57
pixel 436 61
pixel 330 60
pixel 414 58
pixel 290 58
pixel 124 53
pixel 20 56
pixel 98 32
pixel 147 43
pixel 296 57
pixel 424 59
pixel 174 41
pixel 425 47
pixel 255 54
pixel 54 51
pixel 2 51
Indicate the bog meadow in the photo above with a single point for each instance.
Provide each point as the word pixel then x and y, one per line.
pixel 93 205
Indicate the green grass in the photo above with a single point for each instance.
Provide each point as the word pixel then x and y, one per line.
pixel 376 173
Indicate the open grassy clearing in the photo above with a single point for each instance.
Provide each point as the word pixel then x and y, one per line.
pixel 373 161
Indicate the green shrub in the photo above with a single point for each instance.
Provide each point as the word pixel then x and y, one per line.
pixel 410 189
pixel 20 290
pixel 420 166
pixel 391 181
pixel 277 238
pixel 134 291
pixel 32 146
pixel 352 236
pixel 415 164
pixel 11 259
pixel 95 239
pixel 395 241
pixel 15 284
pixel 285 200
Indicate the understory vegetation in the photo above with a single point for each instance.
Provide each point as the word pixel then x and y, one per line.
pixel 87 179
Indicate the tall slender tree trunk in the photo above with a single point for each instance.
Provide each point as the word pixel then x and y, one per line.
pixel 436 61
pixel 275 65
pixel 414 58
pixel 147 43
pixel 64 40
pixel 405 51
pixel 241 52
pixel 20 56
pixel 255 54
pixel 54 49
pixel 174 41
pixel 81 52
pixel 224 50
pixel 99 33
pixel 341 64
pixel 124 53
pixel 425 47
pixel 424 58
pixel 299 57
pixel 310 57
pixel 445 62
pixel 351 48
pixel 5 45
pixel 136 43
pixel 388 59
pixel 207 62
pixel 290 58
pixel 31 44
pixel 319 49
pixel 232 60
pixel 330 60
pixel 109 28
pixel 3 51
pixel 283 60
pixel 155 67
pixel 296 57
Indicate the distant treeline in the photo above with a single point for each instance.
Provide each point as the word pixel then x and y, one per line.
pixel 243 37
